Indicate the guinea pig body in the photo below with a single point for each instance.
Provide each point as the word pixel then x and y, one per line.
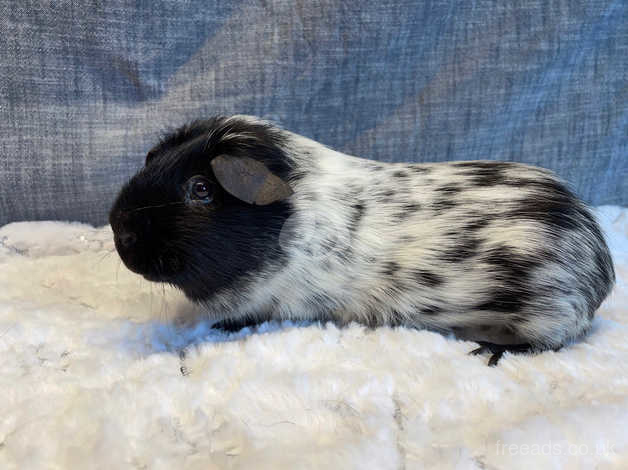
pixel 494 252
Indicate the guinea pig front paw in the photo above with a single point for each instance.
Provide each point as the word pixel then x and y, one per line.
pixel 498 350
pixel 230 325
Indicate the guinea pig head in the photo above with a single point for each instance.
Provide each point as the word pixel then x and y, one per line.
pixel 206 210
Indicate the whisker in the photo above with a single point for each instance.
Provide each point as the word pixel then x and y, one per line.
pixel 150 305
pixel 103 257
pixel 164 303
pixel 156 206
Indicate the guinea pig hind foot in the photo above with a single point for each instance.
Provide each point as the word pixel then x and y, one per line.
pixel 498 350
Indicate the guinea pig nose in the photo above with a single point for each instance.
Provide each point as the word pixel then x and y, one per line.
pixel 127 239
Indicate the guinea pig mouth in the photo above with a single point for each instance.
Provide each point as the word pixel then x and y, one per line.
pixel 155 271
pixel 152 266
pixel 155 277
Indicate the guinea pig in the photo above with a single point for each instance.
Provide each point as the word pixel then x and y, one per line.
pixel 254 222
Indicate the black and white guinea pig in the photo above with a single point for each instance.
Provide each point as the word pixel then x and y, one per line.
pixel 256 222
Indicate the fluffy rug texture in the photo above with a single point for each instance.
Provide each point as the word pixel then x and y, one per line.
pixel 101 369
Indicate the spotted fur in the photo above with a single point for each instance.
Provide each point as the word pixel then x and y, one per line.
pixel 492 251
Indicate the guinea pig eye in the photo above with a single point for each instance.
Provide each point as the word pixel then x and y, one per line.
pixel 200 189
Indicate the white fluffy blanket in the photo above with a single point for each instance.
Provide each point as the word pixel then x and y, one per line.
pixel 101 369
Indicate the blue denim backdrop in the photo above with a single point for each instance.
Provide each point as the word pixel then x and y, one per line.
pixel 87 86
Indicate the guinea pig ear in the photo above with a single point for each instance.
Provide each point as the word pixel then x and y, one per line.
pixel 249 180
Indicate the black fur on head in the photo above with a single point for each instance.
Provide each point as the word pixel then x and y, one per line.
pixel 168 232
